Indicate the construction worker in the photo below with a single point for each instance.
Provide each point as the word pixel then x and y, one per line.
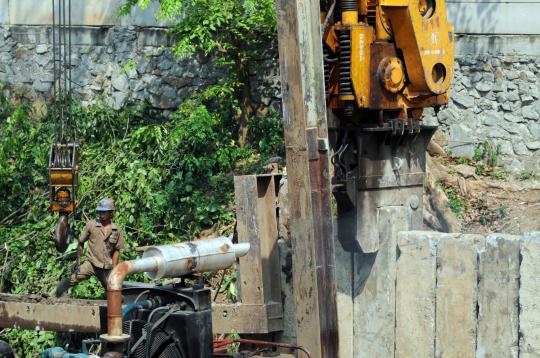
pixel 104 244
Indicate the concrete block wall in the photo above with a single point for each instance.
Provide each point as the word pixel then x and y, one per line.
pixel 84 13
pixel 446 295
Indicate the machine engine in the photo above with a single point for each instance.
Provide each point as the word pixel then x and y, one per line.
pixel 165 321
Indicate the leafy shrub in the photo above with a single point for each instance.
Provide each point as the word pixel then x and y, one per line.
pixel 170 178
pixel 266 135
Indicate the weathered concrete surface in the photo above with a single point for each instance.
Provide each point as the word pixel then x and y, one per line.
pixel 528 45
pixel 374 288
pixel 344 297
pixel 529 319
pixel 456 297
pixel 4 12
pixel 498 296
pixel 87 13
pixel 415 296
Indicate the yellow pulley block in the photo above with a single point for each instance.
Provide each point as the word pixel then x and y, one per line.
pixel 63 186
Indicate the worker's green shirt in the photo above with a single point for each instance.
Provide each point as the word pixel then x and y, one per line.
pixel 101 247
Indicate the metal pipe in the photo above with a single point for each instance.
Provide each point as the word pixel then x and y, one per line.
pixel 167 261
pixel 114 295
pixel 196 256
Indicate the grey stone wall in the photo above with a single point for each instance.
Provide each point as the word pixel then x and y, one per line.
pixel 495 99
pixel 99 59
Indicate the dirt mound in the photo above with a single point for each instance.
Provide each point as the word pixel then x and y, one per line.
pixel 468 196
pixel 46 299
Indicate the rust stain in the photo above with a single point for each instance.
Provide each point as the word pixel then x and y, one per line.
pixel 58 318
pixel 114 312
pixel 224 248
pixel 20 53
pixel 191 263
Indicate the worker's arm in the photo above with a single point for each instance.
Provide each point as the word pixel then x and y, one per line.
pixel 115 258
pixel 84 236
pixel 79 254
pixel 119 246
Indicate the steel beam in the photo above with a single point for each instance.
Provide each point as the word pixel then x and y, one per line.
pixel 306 142
pixel 66 315
pixel 60 315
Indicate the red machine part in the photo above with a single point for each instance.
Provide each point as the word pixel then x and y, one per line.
pixel 220 345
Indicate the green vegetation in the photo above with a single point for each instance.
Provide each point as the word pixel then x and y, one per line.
pixel 489 218
pixel 486 159
pixel 527 175
pixel 498 174
pixel 234 33
pixel 456 203
pixel 171 178
pixel 488 153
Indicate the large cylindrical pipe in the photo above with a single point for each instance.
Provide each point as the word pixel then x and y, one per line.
pixel 167 261
pixel 196 256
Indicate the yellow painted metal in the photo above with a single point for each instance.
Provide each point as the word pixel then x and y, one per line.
pixel 383 29
pixel 426 38
pixel 349 18
pixel 59 178
pixel 391 74
pixel 402 56
pixel 361 38
pixel 63 177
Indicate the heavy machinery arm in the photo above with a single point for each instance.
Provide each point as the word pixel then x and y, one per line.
pixel 386 59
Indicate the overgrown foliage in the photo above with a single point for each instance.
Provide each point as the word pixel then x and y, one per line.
pixel 234 33
pixel 170 178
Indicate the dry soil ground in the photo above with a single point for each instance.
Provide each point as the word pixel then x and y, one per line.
pixel 460 199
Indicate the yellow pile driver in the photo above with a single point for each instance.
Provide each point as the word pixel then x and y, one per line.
pixel 384 62
pixel 386 59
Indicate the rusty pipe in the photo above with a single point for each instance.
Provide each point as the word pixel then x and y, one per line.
pixel 114 294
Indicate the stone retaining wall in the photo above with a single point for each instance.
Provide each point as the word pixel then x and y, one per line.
pixel 99 71
pixel 495 99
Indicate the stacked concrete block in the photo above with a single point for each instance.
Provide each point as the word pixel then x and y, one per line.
pixel 446 295
pixel 529 317
pixel 415 296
